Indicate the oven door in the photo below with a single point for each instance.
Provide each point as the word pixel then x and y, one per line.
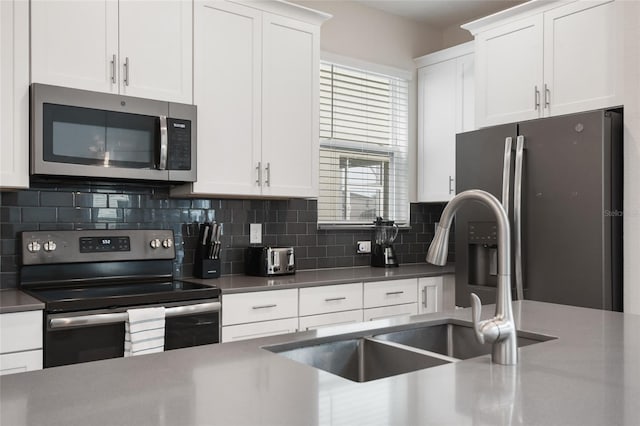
pixel 76 337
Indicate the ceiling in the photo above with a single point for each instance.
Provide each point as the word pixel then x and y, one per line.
pixel 441 13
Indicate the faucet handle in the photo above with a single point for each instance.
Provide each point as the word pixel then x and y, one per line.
pixel 476 310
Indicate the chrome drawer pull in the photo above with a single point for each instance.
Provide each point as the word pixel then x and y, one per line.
pixel 264 306
pixel 333 299
pixel 391 293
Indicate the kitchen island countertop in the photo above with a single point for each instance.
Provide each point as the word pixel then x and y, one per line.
pixel 589 375
pixel 230 284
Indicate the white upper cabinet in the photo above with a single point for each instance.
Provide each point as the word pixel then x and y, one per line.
pixel 445 107
pixel 582 57
pixel 256 84
pixel 509 72
pixel 544 59
pixel 227 58
pixel 156 49
pixel 14 94
pixel 137 48
pixel 290 105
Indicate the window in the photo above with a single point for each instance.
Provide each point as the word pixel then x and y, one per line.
pixel 363 146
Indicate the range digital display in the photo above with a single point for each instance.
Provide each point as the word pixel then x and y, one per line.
pixel 104 244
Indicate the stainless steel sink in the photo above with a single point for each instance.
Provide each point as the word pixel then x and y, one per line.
pixel 454 340
pixel 361 359
pixel 372 357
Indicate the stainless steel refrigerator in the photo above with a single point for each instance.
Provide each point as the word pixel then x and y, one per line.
pixel 560 179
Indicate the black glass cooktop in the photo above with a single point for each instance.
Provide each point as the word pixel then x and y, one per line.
pixel 118 295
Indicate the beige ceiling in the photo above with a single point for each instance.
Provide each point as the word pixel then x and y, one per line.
pixel 441 13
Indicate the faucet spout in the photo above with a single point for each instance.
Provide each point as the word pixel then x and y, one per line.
pixel 499 330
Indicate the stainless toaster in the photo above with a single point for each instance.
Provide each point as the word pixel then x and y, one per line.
pixel 266 261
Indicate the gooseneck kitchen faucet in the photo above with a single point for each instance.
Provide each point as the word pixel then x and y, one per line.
pixel 499 330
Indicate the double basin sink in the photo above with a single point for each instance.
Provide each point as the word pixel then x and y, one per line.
pixel 376 356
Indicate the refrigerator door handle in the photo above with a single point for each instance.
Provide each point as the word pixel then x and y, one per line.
pixel 506 173
pixel 517 214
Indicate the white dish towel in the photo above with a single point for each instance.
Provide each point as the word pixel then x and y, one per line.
pixel 144 331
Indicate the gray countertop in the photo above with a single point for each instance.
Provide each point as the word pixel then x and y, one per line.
pixel 12 300
pixel 243 283
pixel 589 375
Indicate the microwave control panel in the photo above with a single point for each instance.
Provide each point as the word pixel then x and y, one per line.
pixel 179 149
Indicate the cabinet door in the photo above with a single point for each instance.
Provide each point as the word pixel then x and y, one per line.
pixel 581 58
pixel 156 49
pixel 14 94
pixel 465 94
pixel 19 362
pixel 259 306
pixel 259 329
pixel 314 322
pixel 227 57
pixel 386 312
pixel 437 131
pixel 431 293
pixel 290 107
pixel 509 72
pixel 75 44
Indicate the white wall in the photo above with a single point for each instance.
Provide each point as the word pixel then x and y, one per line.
pixel 631 218
pixel 367 34
pixel 454 35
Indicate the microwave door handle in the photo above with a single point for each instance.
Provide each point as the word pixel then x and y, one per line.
pixel 164 142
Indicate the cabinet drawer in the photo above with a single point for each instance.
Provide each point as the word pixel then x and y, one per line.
pixel 19 362
pixel 390 311
pixel 331 298
pixel 20 331
pixel 259 329
pixel 385 293
pixel 326 320
pixel 259 306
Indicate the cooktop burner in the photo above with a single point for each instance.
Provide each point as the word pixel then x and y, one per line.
pixel 118 295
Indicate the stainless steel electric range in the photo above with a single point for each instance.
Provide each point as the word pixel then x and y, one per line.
pixel 89 279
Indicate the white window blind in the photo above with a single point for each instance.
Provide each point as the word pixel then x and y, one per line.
pixel 363 146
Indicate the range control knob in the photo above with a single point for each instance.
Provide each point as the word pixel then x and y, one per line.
pixel 155 243
pixel 34 246
pixel 49 245
pixel 167 243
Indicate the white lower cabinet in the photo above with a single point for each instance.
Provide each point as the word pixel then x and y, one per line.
pixel 431 295
pixel 254 330
pixel 259 314
pixel 313 322
pixel 20 342
pixel 324 306
pixel 387 299
pixel 384 312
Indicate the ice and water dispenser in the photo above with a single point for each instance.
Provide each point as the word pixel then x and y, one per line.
pixel 482 240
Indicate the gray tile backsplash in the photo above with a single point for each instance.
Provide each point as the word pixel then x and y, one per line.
pixel 285 223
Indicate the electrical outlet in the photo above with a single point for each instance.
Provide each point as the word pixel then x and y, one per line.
pixel 363 247
pixel 255 233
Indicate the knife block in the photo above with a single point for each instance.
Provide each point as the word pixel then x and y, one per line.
pixel 206 268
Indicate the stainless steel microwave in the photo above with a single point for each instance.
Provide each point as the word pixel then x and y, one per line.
pixel 79 133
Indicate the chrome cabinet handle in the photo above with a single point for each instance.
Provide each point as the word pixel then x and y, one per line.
pixel 264 306
pixel 391 293
pixel 164 143
pixel 259 173
pixel 333 299
pixel 126 71
pixel 506 173
pixel 111 318
pixel 517 215
pixel 547 96
pixel 451 191
pixel 536 97
pixel 424 297
pixel 267 181
pixel 113 69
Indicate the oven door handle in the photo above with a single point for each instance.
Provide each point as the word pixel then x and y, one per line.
pixel 97 319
